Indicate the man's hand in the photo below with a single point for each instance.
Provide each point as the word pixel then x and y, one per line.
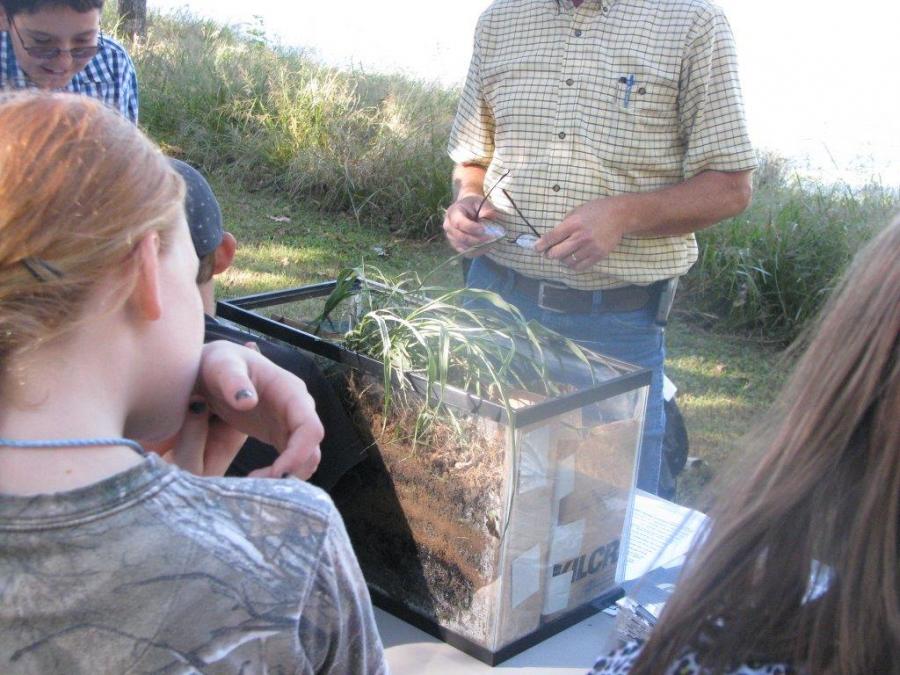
pixel 587 234
pixel 248 394
pixel 462 223
pixel 591 231
pixel 464 233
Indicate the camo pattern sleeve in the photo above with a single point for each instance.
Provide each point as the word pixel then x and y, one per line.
pixel 157 571
pixel 337 627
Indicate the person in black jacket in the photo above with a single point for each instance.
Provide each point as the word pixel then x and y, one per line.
pixel 342 447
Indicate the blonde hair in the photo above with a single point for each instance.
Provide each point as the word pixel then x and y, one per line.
pixel 79 187
pixel 824 497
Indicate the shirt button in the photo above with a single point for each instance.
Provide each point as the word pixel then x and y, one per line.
pixel 562 134
pixel 578 33
pixel 556 188
pixel 570 82
pixel 642 91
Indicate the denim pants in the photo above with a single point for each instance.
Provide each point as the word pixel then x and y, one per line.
pixel 633 337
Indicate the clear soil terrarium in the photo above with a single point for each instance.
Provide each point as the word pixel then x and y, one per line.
pixel 498 520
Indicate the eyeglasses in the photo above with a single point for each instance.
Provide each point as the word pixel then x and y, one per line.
pixel 526 240
pixel 49 53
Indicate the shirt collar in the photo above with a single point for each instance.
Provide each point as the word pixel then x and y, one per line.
pixel 11 76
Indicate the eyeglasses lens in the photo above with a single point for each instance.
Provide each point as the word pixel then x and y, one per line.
pixel 78 53
pixel 48 53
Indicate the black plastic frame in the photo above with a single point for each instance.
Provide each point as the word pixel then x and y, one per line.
pixel 484 654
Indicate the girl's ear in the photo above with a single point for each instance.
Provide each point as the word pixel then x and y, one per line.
pixel 146 296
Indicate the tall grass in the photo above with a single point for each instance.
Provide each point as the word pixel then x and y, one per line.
pixel 768 271
pixel 273 118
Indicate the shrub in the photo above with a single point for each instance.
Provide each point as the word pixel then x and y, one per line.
pixel 273 118
pixel 768 270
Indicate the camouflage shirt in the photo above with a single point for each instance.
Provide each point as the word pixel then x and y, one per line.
pixel 157 571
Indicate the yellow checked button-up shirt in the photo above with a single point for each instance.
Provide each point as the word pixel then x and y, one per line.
pixel 607 98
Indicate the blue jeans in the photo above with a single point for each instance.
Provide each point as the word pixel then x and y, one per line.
pixel 633 337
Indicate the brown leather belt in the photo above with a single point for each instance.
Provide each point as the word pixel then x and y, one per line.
pixel 557 297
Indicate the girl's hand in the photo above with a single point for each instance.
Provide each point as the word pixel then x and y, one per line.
pixel 248 394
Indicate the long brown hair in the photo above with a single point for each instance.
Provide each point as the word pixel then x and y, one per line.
pixel 79 186
pixel 824 496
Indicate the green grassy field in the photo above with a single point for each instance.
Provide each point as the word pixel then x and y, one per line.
pixel 320 168
pixel 724 382
pixel 282 243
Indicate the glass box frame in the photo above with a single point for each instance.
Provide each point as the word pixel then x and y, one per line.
pixel 528 547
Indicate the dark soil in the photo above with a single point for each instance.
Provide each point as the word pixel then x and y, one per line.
pixel 423 514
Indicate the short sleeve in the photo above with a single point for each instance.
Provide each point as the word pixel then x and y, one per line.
pixel 711 109
pixel 337 626
pixel 472 135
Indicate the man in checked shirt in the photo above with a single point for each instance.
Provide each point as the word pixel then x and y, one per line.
pixel 613 130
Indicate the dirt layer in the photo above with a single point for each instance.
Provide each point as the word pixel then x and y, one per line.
pixel 423 513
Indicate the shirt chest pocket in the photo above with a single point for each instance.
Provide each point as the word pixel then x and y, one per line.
pixel 641 100
pixel 521 89
pixel 636 122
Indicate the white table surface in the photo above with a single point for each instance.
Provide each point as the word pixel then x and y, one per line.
pixel 574 650
pixel 413 652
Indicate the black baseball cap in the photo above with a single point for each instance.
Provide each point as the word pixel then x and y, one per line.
pixel 204 217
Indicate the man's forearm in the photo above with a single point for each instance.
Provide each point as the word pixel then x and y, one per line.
pixel 701 201
pixel 468 179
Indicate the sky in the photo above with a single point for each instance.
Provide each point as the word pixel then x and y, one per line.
pixel 819 78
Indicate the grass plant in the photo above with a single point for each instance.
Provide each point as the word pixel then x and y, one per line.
pixel 469 338
pixel 725 381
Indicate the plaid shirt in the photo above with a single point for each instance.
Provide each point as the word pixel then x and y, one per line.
pixel 614 96
pixel 109 76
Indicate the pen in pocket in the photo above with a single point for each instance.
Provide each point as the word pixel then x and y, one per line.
pixel 629 83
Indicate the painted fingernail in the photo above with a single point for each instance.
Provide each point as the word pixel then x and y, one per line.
pixel 197 407
pixel 242 394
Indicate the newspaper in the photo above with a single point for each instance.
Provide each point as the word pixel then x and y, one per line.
pixel 660 536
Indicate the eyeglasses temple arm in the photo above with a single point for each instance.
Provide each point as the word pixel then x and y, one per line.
pixel 519 212
pixel 488 193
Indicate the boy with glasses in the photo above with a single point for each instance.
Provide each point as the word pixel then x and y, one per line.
pixel 58 45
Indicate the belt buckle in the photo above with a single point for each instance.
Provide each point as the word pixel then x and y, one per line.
pixel 540 296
